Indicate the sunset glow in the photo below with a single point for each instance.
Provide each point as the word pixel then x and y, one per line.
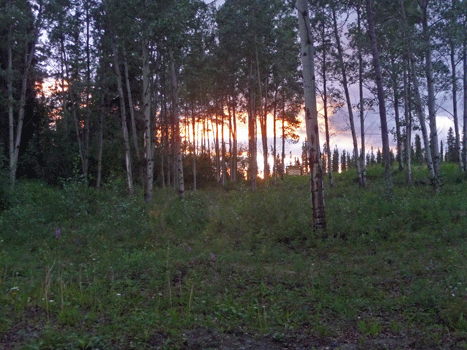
pixel 51 86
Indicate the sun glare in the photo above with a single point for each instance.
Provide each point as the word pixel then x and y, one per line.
pixel 51 86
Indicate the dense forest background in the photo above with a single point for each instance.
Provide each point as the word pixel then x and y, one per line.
pixel 158 92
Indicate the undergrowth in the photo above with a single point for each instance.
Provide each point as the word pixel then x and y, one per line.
pixel 85 268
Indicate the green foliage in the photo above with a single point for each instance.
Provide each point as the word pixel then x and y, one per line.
pixel 122 273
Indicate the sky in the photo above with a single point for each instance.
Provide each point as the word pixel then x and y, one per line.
pixel 340 128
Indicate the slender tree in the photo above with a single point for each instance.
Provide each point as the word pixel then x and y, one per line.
pixel 148 133
pixel 345 85
pixel 176 121
pixel 434 143
pixel 29 42
pixel 118 74
pixel 311 116
pixel 381 96
pixel 418 100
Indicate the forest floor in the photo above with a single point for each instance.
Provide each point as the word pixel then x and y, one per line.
pixel 234 269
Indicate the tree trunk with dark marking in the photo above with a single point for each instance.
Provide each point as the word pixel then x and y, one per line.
pixel 311 116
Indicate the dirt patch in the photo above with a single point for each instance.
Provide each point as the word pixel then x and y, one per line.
pixel 206 339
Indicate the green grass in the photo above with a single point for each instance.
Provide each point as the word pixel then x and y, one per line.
pixel 223 264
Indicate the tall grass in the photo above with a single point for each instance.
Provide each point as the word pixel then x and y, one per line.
pixel 89 269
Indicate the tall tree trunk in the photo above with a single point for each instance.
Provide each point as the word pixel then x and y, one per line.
pixel 381 101
pixel 73 105
pixel 149 150
pixel 29 52
pixel 193 122
pixel 274 152
pixel 131 107
pixel 263 118
pixel 455 112
pixel 408 128
pixel 397 117
pixel 234 138
pixel 253 166
pixel 283 139
pixel 361 103
pixel 177 136
pixel 126 143
pixel 311 116
pixel 464 65
pixel 216 148
pixel 11 123
pixel 340 57
pixel 418 101
pixel 62 77
pixel 325 107
pixel 434 143
pixel 100 142
pixel 87 120
pixel 223 167
pixel 165 149
pixel 452 54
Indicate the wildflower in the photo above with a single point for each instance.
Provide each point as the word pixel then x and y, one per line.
pixel 213 257
pixel 57 233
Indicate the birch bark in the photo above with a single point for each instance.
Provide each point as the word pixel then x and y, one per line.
pixel 311 116
pixel 418 101
pixel 381 99
pixel 29 51
pixel 149 151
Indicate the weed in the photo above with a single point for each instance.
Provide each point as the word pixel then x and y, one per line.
pixel 121 273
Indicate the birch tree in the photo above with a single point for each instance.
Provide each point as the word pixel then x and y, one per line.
pixel 19 31
pixel 311 116
pixel 381 97
pixel 121 96
pixel 149 149
pixel 418 101
pixel 434 143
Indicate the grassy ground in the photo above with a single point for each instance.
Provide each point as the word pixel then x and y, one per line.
pixel 88 269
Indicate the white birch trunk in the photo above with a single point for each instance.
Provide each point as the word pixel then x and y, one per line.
pixel 434 143
pixel 311 116
pixel 455 113
pixel 325 107
pixel 381 101
pixel 126 142
pixel 30 49
pixel 130 99
pixel 408 129
pixel 464 64
pixel 149 152
pixel 418 101
pixel 361 103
